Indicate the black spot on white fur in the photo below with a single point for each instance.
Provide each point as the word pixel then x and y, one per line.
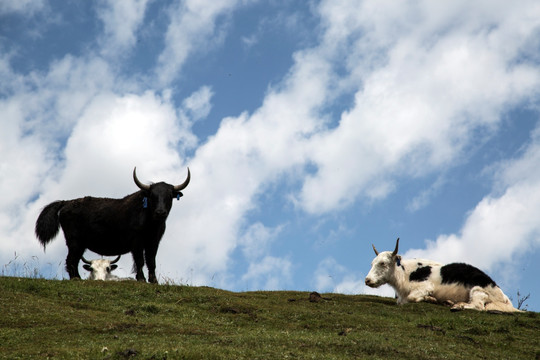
pixel 466 275
pixel 420 274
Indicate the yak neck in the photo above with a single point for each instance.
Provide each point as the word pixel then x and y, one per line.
pixel 399 281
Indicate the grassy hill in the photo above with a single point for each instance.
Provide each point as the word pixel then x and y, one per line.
pixel 55 319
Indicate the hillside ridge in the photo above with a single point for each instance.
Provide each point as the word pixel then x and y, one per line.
pixel 61 319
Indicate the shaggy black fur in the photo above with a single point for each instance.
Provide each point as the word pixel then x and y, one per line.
pixel 420 274
pixel 465 274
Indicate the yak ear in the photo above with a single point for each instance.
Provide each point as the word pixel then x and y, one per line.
pixel 178 195
pixel 87 267
pixel 113 267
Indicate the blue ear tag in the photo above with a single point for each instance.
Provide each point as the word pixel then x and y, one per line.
pixel 145 202
pixel 178 196
pixel 398 262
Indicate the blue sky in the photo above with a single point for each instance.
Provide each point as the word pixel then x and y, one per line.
pixel 312 130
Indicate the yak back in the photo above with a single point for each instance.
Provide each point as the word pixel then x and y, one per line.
pixel 466 275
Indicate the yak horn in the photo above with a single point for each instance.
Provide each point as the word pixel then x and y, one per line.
pixel 396 249
pixel 85 261
pixel 116 260
pixel 137 182
pixel 185 183
pixel 376 252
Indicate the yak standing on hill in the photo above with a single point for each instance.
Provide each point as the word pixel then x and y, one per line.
pixel 110 227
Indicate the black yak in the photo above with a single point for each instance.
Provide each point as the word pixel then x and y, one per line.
pixel 110 227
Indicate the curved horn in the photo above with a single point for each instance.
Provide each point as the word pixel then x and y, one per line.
pixel 116 260
pixel 138 183
pixel 396 249
pixel 185 183
pixel 376 252
pixel 85 261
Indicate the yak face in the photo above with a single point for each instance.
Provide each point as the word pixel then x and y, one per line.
pixel 158 197
pixel 100 269
pixel 383 267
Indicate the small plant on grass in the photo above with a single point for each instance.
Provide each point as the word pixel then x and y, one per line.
pixel 521 300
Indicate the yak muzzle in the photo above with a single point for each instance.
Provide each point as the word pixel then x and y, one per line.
pixel 371 283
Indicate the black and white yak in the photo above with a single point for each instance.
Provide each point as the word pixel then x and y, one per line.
pixel 101 269
pixel 459 285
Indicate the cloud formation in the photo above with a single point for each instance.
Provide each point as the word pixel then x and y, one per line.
pixel 121 21
pixel 193 27
pixel 503 226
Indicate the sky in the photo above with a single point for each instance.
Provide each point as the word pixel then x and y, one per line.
pixel 312 129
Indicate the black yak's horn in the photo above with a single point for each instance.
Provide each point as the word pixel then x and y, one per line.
pixel 396 249
pixel 137 182
pixel 185 183
pixel 116 260
pixel 85 261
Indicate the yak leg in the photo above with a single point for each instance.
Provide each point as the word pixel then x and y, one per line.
pixel 477 300
pixel 138 264
pixel 72 262
pixel 421 295
pixel 150 256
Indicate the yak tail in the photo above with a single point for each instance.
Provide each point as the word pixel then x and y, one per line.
pixel 48 223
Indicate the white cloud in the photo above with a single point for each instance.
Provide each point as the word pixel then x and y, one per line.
pixel 256 240
pixel 271 273
pixel 502 227
pixel 330 276
pixel 355 285
pixel 116 133
pixel 121 20
pixel 192 27
pixel 264 271
pixel 417 110
pixel 198 104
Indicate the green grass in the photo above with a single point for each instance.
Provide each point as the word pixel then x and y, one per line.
pixel 55 319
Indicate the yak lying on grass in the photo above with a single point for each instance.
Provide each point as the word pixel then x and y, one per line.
pixel 460 285
pixel 111 227
pixel 101 269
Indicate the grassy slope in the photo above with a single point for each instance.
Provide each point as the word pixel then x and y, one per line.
pixel 95 320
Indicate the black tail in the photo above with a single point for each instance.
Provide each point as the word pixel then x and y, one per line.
pixel 48 223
